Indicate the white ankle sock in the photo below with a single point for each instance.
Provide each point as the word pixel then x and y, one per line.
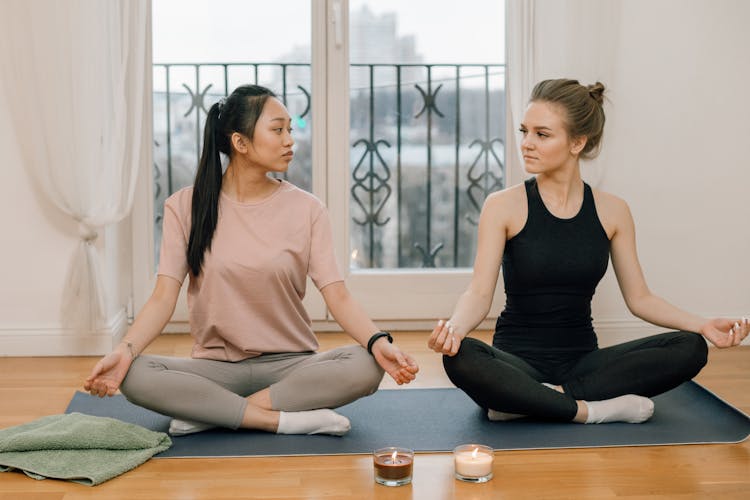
pixel 629 408
pixel 501 416
pixel 179 427
pixel 323 421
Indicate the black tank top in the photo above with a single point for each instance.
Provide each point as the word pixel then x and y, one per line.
pixel 551 269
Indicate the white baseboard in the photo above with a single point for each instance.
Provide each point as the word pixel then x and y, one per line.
pixel 177 327
pixel 61 342
pixel 51 341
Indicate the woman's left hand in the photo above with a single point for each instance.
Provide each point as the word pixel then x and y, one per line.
pixel 723 332
pixel 399 365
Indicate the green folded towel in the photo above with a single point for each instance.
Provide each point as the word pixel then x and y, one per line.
pixel 77 447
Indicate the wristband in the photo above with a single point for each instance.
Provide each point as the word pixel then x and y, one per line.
pixel 375 337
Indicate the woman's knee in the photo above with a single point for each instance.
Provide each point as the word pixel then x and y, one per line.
pixel 462 365
pixel 138 383
pixel 694 351
pixel 366 374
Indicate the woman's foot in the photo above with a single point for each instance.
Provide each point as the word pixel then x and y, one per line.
pixel 629 408
pixel 323 421
pixel 179 427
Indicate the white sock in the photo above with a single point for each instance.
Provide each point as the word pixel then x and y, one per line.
pixel 179 427
pixel 629 408
pixel 323 421
pixel 501 416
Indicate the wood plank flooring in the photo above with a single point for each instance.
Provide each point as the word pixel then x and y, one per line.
pixel 34 387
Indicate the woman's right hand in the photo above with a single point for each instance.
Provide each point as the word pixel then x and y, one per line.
pixel 723 332
pixel 444 339
pixel 109 372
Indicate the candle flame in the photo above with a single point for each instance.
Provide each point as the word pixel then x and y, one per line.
pixel 474 453
pixel 393 457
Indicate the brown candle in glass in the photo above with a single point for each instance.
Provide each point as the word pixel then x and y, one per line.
pixel 393 466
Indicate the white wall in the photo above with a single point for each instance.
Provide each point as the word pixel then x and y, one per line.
pixel 681 117
pixel 674 149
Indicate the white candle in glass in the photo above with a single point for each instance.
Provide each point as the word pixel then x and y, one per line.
pixel 473 461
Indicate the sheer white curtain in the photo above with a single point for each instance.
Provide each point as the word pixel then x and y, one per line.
pixel 74 73
pixel 552 39
pixel 521 74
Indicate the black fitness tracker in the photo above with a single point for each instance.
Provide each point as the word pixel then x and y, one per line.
pixel 375 337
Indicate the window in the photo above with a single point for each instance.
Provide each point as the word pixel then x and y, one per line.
pixel 427 129
pixel 410 136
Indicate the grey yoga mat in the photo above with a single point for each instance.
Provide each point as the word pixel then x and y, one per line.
pixel 437 420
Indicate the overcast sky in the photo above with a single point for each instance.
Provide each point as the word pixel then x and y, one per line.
pixel 243 30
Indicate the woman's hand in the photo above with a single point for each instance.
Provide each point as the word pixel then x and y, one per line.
pixel 399 365
pixel 444 339
pixel 723 332
pixel 109 373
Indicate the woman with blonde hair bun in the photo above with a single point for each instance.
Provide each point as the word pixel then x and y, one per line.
pixel 553 236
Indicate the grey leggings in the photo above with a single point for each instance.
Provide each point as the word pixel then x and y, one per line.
pixel 214 391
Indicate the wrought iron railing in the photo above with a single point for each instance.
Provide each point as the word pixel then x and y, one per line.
pixel 422 161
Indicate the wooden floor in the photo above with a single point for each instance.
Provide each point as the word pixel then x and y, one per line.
pixel 34 387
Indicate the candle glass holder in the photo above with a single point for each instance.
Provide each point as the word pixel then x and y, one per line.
pixel 473 462
pixel 393 465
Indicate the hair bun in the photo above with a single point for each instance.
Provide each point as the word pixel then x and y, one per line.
pixel 596 91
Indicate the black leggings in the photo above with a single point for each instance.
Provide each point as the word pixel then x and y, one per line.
pixel 505 382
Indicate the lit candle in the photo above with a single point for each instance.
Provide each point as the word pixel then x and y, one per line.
pixel 393 466
pixel 473 462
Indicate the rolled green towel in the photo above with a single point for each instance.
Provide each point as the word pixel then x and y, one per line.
pixel 77 447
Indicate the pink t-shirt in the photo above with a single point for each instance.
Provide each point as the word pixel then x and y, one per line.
pixel 248 298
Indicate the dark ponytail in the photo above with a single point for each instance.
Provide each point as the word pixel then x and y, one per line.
pixel 237 113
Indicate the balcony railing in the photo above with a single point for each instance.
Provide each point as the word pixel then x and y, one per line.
pixel 426 148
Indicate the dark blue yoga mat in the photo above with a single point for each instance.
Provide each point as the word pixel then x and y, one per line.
pixel 437 420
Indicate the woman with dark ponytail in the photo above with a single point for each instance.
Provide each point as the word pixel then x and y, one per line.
pixel 248 242
pixel 553 236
